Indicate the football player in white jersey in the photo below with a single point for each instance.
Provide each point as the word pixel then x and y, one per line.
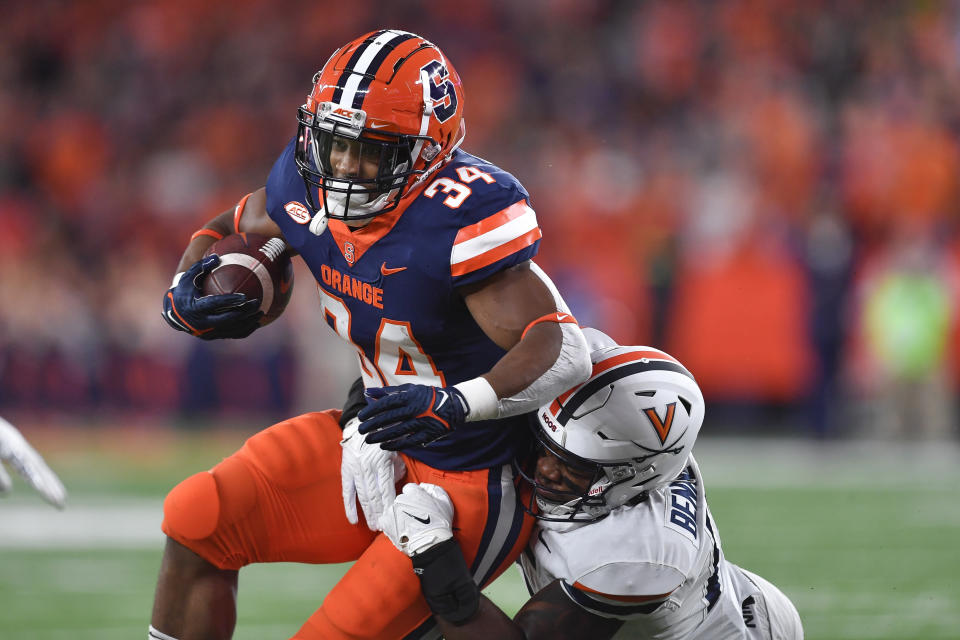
pixel 24 459
pixel 626 546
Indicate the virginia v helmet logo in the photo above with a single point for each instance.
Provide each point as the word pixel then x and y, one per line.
pixel 662 427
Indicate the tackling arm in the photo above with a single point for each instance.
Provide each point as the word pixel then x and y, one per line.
pixel 419 523
pixel 17 452
pixel 548 615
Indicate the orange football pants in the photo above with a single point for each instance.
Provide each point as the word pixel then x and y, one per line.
pixel 278 499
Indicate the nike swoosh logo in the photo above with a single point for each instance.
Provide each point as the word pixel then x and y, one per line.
pixel 285 285
pixel 385 270
pixel 374 125
pixel 418 518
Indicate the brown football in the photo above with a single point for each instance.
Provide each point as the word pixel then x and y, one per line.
pixel 256 266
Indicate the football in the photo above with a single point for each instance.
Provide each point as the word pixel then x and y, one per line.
pixel 256 266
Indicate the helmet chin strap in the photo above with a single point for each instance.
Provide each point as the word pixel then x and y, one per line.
pixel 429 153
pixel 559 513
pixel 337 204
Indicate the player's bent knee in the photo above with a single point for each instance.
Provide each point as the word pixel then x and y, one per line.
pixel 207 501
pixel 192 508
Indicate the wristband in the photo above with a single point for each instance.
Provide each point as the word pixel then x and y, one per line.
pixel 482 400
pixel 446 582
pixel 216 235
pixel 239 212
pixel 355 401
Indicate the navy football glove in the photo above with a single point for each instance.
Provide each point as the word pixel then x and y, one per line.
pixel 185 308
pixel 411 414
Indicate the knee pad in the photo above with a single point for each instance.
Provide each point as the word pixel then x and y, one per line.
pixel 203 503
pixel 192 508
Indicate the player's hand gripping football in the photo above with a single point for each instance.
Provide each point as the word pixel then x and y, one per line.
pixel 368 475
pixel 411 415
pixel 420 518
pixel 185 308
pixel 17 452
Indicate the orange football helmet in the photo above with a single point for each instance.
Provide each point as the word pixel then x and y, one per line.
pixel 391 104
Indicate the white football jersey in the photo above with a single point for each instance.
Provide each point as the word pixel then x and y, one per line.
pixel 668 543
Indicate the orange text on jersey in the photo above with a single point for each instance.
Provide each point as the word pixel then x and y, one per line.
pixel 350 286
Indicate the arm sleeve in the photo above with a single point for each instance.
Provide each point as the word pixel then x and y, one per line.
pixel 571 367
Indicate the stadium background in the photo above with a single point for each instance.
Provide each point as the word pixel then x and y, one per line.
pixel 766 189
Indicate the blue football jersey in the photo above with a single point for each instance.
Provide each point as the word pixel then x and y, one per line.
pixel 390 288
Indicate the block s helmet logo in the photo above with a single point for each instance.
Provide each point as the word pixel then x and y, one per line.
pixel 442 91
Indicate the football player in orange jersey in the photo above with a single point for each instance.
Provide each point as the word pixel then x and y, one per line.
pixel 422 254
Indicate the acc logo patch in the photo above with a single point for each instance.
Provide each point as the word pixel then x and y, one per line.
pixel 297 211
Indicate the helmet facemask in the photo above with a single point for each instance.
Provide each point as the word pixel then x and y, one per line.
pixel 397 95
pixel 602 494
pixel 353 197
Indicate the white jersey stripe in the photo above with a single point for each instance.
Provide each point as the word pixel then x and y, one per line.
pixel 508 509
pixel 507 232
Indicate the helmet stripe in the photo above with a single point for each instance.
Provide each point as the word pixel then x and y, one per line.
pixel 351 63
pixel 631 356
pixel 363 65
pixel 374 66
pixel 609 363
pixel 611 376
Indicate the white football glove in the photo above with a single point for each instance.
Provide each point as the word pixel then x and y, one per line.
pixel 368 475
pixel 419 518
pixel 17 452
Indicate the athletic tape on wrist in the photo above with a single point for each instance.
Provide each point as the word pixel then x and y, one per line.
pixel 481 399
pixel 446 582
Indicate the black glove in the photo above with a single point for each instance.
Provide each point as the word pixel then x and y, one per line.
pixel 411 414
pixel 185 308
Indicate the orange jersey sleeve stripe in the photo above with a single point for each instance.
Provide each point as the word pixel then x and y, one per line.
pixel 515 210
pixel 502 251
pixel 239 212
pixel 651 598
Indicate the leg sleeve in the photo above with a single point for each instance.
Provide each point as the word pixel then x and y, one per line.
pixel 277 499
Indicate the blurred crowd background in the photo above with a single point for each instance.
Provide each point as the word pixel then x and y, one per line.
pixel 767 189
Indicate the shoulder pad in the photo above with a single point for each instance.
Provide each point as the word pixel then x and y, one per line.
pixel 609 606
pixel 631 579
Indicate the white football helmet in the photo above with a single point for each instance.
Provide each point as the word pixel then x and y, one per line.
pixel 630 426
